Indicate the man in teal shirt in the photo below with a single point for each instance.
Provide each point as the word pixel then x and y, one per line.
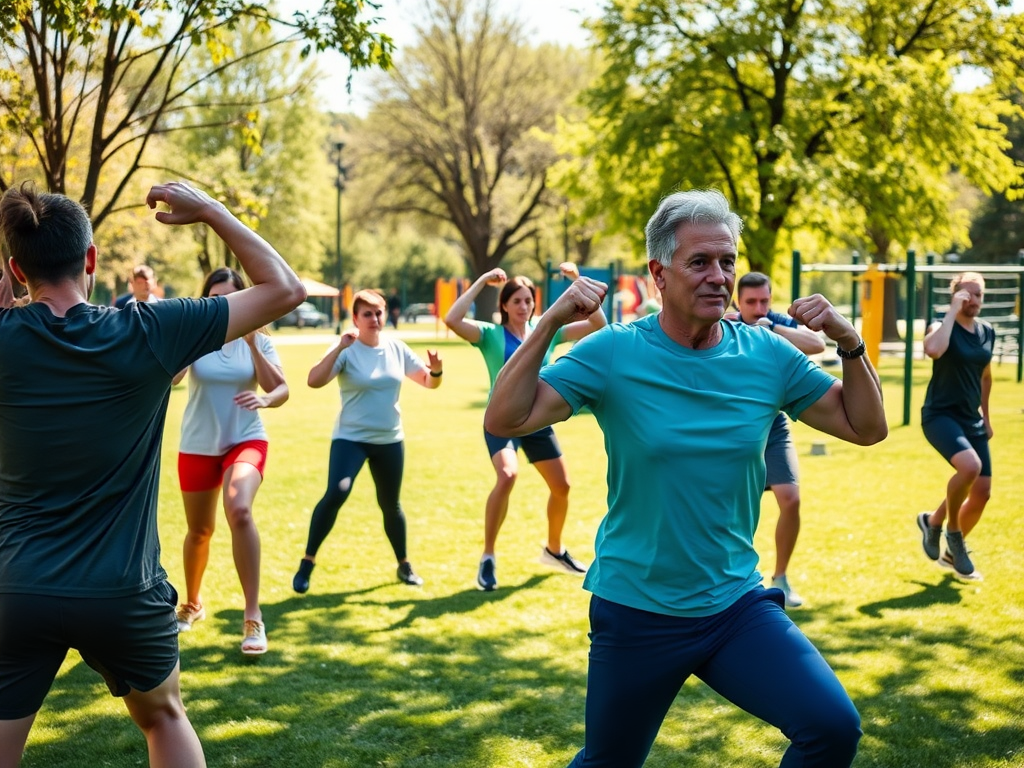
pixel 675 581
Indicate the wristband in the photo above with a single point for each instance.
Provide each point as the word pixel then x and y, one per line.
pixel 853 353
pixel 437 375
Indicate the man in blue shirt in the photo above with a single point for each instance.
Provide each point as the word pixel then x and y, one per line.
pixel 754 299
pixel 675 582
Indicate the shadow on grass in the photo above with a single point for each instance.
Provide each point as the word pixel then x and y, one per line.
pixel 944 593
pixel 346 685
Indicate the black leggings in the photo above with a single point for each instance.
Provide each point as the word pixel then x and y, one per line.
pixel 386 465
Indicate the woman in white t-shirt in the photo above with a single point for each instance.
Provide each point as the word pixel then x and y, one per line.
pixel 370 369
pixel 224 444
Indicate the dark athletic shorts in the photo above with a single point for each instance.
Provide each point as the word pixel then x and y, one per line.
pixel 541 445
pixel 949 437
pixel 131 641
pixel 780 461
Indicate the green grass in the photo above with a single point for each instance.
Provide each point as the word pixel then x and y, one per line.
pixel 363 671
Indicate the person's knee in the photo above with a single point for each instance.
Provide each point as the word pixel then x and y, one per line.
pixel 334 498
pixel 505 478
pixel 559 488
pixel 968 466
pixel 788 497
pixel 156 709
pixel 833 730
pixel 200 533
pixel 238 515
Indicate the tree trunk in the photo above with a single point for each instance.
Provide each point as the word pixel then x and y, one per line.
pixel 486 305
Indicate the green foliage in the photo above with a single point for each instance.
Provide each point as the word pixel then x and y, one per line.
pixel 452 137
pixel 90 86
pixel 997 234
pixel 406 259
pixel 363 671
pixel 257 141
pixel 790 107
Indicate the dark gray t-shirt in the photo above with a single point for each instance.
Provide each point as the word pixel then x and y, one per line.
pixel 955 387
pixel 82 406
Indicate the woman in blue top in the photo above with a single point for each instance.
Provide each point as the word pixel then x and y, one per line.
pixel 224 444
pixel 955 421
pixel 497 343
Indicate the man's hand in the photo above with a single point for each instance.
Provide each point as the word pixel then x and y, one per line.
pixel 188 205
pixel 818 314
pixel 580 300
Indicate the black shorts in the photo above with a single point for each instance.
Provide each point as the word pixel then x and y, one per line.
pixel 541 445
pixel 949 437
pixel 780 461
pixel 131 641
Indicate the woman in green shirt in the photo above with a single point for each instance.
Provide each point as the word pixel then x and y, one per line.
pixel 497 343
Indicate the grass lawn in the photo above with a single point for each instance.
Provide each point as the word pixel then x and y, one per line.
pixel 364 671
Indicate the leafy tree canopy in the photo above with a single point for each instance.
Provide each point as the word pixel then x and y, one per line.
pixel 86 88
pixel 788 106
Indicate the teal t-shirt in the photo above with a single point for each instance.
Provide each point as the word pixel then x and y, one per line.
pixel 497 346
pixel 685 434
pixel 82 405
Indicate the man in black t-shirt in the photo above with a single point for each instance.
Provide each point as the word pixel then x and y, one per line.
pixel 83 395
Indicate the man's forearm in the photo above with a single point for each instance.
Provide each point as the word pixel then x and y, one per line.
pixel 862 399
pixel 515 389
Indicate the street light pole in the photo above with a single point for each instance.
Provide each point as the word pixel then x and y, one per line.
pixel 339 184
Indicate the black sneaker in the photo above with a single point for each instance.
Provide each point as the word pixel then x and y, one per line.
pixel 300 582
pixel 930 536
pixel 485 578
pixel 956 558
pixel 563 562
pixel 406 575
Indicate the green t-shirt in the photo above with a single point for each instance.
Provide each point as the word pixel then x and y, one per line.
pixel 497 345
pixel 82 406
pixel 685 434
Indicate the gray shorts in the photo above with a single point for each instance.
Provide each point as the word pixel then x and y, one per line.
pixel 131 641
pixel 781 467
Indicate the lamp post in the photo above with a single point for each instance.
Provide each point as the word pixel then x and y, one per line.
pixel 339 185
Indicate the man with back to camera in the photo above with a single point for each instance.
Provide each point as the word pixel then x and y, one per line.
pixel 79 553
pixel 676 591
pixel 754 298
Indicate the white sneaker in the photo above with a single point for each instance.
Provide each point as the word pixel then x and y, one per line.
pixel 188 614
pixel 563 562
pixel 793 600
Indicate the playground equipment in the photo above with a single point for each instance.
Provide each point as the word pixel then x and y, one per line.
pixel 1004 313
pixel 446 291
pixel 555 284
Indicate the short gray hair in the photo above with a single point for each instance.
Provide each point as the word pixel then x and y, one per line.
pixel 695 206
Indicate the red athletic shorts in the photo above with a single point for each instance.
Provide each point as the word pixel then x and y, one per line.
pixel 202 473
